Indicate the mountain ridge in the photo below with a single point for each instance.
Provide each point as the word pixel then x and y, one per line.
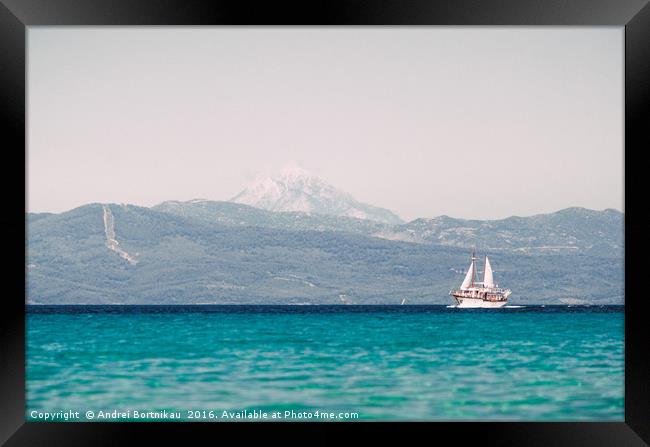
pixel 185 260
pixel 567 229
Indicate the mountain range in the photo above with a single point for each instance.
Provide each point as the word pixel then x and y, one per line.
pixel 304 243
pixel 572 230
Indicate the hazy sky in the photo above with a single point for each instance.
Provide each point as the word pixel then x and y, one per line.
pixel 482 122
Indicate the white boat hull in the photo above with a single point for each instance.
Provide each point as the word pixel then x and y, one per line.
pixel 478 303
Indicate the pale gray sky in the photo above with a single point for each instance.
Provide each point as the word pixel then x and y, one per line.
pixel 482 122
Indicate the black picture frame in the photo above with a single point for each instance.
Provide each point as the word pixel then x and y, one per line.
pixel 16 15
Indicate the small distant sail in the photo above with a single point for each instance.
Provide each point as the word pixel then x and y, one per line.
pixel 488 278
pixel 468 277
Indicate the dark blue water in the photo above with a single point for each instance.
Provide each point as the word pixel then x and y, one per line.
pixel 551 363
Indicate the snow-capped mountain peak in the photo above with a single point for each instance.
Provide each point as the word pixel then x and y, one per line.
pixel 296 189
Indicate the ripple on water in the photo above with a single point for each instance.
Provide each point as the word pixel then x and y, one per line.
pixel 514 365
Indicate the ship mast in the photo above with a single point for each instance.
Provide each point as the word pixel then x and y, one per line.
pixel 473 267
pixel 485 271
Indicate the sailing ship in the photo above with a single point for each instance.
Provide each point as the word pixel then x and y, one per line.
pixel 480 294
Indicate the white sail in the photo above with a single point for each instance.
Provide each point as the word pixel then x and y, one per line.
pixel 488 278
pixel 468 277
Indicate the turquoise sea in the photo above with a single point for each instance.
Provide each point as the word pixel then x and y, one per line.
pixel 554 363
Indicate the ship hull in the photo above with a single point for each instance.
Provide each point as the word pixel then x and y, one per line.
pixel 473 303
